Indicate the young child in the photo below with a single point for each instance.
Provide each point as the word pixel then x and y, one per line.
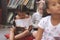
pixel 22 21
pixel 49 26
pixel 36 17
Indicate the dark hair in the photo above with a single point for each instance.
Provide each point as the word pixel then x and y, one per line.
pixel 46 3
pixel 44 9
pixel 22 8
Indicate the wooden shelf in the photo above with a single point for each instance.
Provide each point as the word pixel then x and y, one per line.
pixel 0 16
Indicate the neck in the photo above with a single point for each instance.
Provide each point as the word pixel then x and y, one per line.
pixel 56 17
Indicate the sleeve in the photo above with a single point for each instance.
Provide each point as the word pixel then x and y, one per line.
pixel 30 22
pixel 35 20
pixel 37 17
pixel 33 17
pixel 43 23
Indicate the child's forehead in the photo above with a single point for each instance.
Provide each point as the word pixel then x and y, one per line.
pixel 53 1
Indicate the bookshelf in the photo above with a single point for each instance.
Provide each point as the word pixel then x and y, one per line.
pixel 6 10
pixel 3 11
pixel 0 16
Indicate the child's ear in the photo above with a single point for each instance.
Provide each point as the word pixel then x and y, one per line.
pixel 48 11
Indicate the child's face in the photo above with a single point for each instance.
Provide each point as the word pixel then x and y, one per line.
pixel 21 14
pixel 53 7
pixel 40 8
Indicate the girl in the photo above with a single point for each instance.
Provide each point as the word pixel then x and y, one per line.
pixel 49 26
pixel 37 16
pixel 23 25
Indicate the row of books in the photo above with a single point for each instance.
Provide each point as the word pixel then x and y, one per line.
pixel 28 3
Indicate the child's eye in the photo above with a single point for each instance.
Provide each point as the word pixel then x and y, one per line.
pixel 59 2
pixel 53 4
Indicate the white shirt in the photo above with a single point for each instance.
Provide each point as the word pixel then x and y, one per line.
pixel 36 18
pixel 50 31
pixel 23 22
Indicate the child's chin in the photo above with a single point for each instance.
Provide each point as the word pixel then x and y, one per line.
pixel 58 13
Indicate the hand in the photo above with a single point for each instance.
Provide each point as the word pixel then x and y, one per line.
pixel 30 28
pixel 12 29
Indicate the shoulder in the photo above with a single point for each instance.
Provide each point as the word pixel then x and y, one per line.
pixel 28 16
pixel 46 18
pixel 35 13
pixel 44 22
pixel 17 17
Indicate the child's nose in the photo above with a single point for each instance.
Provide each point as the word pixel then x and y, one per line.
pixel 58 5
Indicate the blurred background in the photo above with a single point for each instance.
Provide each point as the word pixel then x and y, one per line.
pixel 7 12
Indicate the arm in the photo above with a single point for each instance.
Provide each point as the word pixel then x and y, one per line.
pixel 39 34
pixel 12 33
pixel 23 34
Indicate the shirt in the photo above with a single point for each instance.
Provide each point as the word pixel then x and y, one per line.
pixel 36 18
pixel 50 31
pixel 23 22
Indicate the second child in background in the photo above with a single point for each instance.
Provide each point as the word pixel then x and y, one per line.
pixel 23 25
pixel 37 16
